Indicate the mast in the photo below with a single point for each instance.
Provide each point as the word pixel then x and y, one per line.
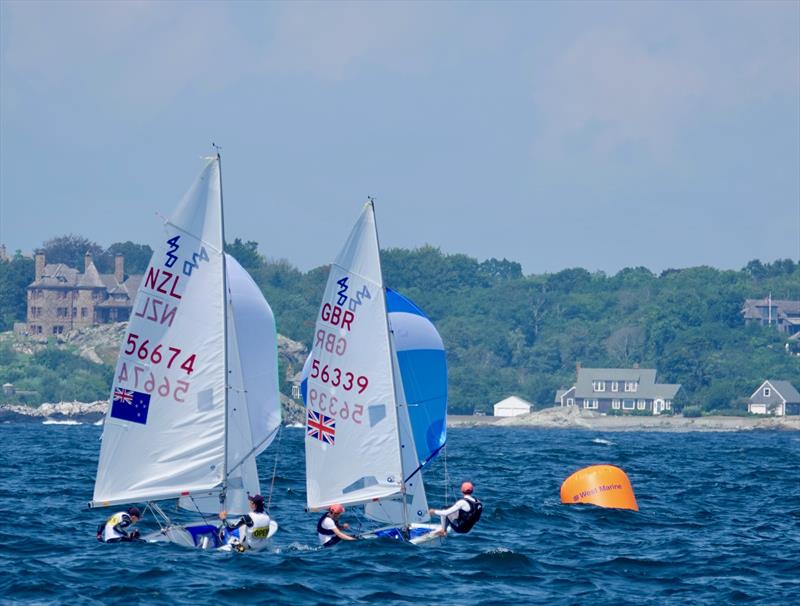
pixel 223 497
pixel 392 356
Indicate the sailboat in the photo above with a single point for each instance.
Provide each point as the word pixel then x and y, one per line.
pixel 375 389
pixel 195 390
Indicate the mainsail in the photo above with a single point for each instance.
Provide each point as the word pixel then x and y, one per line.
pixel 410 429
pixel 352 447
pixel 175 426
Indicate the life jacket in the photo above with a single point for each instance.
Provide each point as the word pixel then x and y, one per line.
pixel 326 536
pixel 107 532
pixel 258 533
pixel 467 519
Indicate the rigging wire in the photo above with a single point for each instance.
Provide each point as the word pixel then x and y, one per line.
pixel 197 507
pixel 274 469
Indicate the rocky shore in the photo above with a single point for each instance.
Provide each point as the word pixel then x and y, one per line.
pixel 572 417
pixel 91 412
pixel 551 418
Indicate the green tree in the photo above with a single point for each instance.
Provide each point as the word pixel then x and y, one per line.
pixel 246 253
pixel 70 250
pixel 137 257
pixel 15 276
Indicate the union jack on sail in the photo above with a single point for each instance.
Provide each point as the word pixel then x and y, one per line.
pixel 321 427
pixel 124 396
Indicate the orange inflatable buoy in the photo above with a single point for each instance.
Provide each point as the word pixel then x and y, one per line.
pixel 602 485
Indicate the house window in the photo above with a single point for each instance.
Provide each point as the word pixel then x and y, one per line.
pixel 640 404
pixel 614 386
pixel 767 392
pixel 598 385
pixel 668 404
pixel 74 312
pixel 628 404
pixel 61 312
pixel 57 330
pixel 589 403
pixel 84 312
pixel 630 386
pixel 615 404
pixel 570 402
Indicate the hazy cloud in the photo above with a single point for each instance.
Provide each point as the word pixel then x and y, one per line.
pixel 645 82
pixel 326 39
pixel 144 53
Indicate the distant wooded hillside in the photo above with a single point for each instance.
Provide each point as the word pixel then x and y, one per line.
pixel 507 333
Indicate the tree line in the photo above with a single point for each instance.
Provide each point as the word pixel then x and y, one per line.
pixel 510 333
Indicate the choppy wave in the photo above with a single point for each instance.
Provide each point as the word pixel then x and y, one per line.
pixel 60 422
pixel 719 523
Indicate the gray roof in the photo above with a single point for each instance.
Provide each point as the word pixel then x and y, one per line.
pixel 786 390
pixel 782 307
pixel 90 278
pixel 648 389
pixel 57 275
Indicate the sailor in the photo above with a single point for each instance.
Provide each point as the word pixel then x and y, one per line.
pixel 114 529
pixel 462 515
pixel 255 526
pixel 329 530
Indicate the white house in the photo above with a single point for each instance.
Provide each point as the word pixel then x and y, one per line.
pixel 511 407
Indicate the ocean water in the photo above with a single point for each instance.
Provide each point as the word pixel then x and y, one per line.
pixel 719 524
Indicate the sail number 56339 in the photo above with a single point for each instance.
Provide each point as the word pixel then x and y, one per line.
pixel 335 377
pixel 338 409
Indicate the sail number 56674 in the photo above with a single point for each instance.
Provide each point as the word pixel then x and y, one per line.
pixel 335 377
pixel 141 379
pixel 145 351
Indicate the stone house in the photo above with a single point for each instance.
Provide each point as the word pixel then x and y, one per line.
pixel 619 389
pixel 62 298
pixel 777 398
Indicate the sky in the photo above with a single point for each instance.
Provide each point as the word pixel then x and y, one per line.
pixel 585 134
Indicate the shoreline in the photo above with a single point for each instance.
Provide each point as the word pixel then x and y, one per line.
pixel 575 418
pixel 549 418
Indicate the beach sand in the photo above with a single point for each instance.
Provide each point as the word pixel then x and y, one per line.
pixel 572 417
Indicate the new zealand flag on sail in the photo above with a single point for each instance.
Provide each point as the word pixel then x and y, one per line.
pixel 130 405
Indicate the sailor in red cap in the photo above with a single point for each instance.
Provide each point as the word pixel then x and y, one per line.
pixel 462 515
pixel 329 530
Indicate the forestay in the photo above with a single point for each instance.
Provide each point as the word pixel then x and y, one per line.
pixel 164 432
pixel 352 444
